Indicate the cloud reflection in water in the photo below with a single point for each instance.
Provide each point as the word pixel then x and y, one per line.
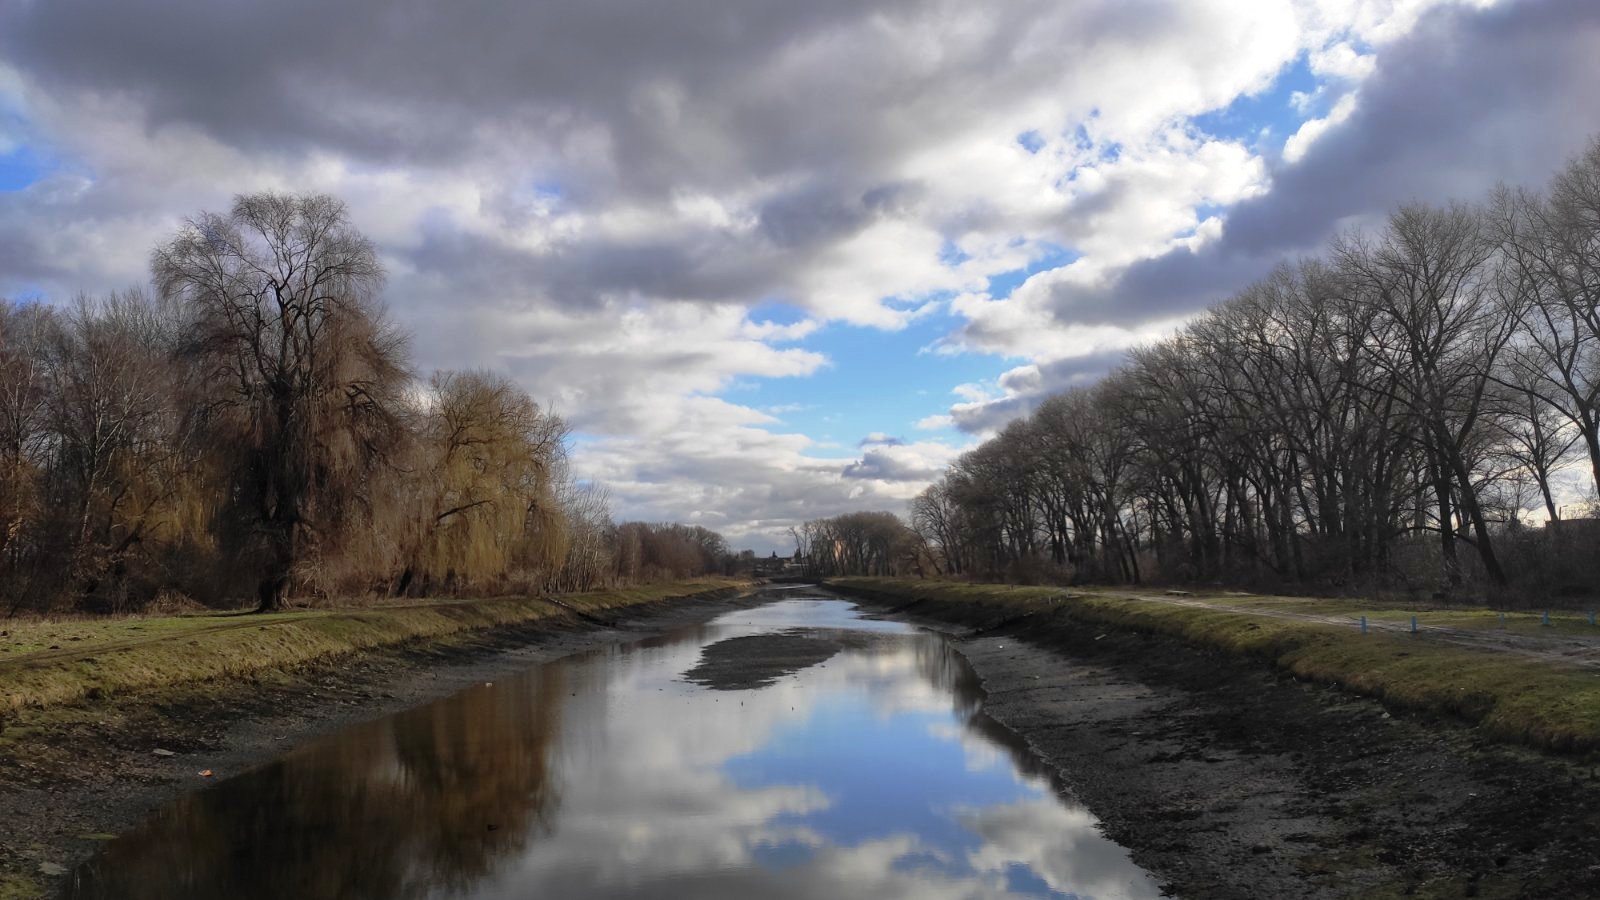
pixel 608 775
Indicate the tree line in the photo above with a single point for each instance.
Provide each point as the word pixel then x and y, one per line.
pixel 252 427
pixel 861 543
pixel 1390 411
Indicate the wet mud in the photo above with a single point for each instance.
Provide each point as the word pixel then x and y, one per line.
pixel 1228 780
pixel 757 660
pixel 73 778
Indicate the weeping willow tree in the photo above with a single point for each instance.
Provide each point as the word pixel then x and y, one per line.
pixel 485 467
pixel 252 429
pixel 300 372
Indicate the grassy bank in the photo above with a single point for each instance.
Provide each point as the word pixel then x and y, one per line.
pixel 51 662
pixel 1545 705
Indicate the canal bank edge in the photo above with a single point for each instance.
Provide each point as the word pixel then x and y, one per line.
pixel 1549 707
pixel 1233 780
pixel 93 739
pixel 157 652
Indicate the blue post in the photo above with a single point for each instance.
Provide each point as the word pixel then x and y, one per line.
pixel 1413 624
pixel 1502 619
pixel 1545 620
pixel 1591 617
pixel 1363 624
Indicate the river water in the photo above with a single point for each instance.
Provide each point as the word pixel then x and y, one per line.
pixel 719 761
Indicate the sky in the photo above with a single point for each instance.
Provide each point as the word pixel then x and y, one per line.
pixel 776 260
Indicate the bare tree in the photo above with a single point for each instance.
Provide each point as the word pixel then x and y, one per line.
pixel 299 370
pixel 119 450
pixel 1536 438
pixel 1438 328
pixel 24 436
pixel 1551 244
pixel 936 518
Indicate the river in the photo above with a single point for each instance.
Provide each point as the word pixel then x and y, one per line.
pixel 795 749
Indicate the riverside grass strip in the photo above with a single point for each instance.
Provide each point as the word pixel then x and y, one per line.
pixel 49 663
pixel 1548 706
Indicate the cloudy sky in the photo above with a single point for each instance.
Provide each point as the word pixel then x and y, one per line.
pixel 776 260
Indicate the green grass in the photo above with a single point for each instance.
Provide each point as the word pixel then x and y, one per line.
pixel 46 663
pixel 1510 698
pixel 19 887
pixel 1519 622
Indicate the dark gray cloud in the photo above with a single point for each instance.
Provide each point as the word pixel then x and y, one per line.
pixel 885 465
pixel 817 214
pixel 297 73
pixel 798 120
pixel 1469 98
pixel 686 264
pixel 1027 386
pixel 548 180
pixel 801 113
pixel 678 92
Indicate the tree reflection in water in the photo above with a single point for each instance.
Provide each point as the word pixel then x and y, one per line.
pixel 869 771
pixel 426 801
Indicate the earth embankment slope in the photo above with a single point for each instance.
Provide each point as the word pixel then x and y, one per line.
pixel 1230 776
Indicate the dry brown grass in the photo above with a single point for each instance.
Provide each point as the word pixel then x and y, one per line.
pixel 46 662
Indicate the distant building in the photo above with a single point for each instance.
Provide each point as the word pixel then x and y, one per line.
pixel 1576 529
pixel 778 565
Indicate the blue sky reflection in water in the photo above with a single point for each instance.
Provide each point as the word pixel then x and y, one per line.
pixel 610 775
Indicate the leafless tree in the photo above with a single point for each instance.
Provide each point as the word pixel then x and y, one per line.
pixel 300 371
pixel 1438 329
pixel 1551 244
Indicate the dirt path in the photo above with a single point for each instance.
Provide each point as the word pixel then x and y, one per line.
pixel 1557 648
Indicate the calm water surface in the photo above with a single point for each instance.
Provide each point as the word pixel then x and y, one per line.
pixel 609 775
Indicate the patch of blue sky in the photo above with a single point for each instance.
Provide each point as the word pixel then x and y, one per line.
pixel 1082 138
pixel 1052 256
pixel 1272 108
pixel 879 381
pixel 775 312
pixel 543 192
pixel 876 381
pixel 24 292
pixel 783 855
pixel 1023 881
pixel 952 255
pixel 21 167
pixel 579 440
pixel 883 775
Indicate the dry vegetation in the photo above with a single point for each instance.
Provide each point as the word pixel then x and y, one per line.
pixel 1540 704
pixel 866 543
pixel 44 664
pixel 253 429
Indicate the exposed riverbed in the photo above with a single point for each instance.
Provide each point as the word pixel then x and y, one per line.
pixel 797 749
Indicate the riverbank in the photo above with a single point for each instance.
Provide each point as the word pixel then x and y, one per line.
pixel 1230 776
pixel 99 731
pixel 1511 683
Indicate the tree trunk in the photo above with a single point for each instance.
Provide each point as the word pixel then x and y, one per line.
pixel 1447 533
pixel 271 592
pixel 1480 528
